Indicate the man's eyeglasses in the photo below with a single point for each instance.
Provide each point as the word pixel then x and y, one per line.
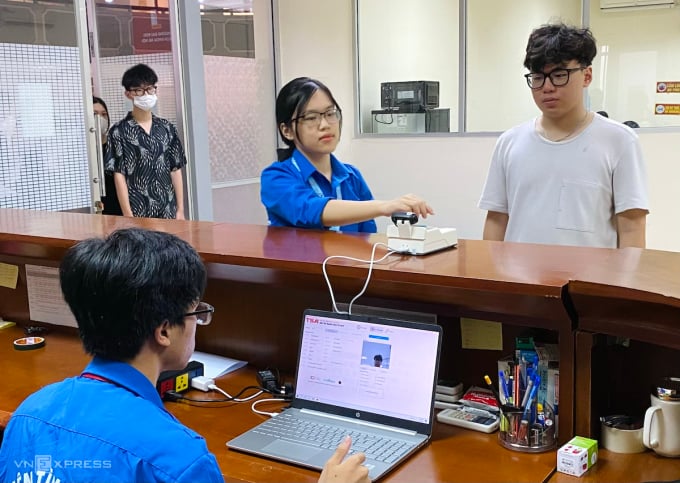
pixel 203 313
pixel 140 91
pixel 558 77
pixel 332 116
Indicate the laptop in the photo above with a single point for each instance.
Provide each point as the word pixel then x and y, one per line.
pixel 371 378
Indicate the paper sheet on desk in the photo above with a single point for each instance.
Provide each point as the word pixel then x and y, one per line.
pixel 215 366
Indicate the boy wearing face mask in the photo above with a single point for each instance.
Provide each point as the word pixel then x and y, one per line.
pixel 145 153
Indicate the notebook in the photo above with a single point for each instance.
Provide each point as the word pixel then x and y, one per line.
pixel 368 377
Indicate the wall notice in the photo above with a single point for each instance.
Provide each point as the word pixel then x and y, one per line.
pixel 481 334
pixel 45 301
pixel 667 109
pixel 8 275
pixel 671 87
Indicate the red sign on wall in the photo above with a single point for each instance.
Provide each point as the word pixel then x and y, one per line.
pixel 151 33
pixel 668 87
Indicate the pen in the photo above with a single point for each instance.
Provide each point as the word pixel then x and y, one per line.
pixel 504 386
pixel 524 424
pixel 515 392
pixel 530 384
pixel 494 391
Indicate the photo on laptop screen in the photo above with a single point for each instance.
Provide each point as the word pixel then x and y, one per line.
pixel 368 377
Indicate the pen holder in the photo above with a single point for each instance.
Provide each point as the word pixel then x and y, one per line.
pixel 531 434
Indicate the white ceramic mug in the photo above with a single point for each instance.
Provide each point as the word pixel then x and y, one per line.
pixel 661 431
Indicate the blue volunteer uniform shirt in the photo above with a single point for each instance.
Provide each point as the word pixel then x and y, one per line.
pixel 85 429
pixel 288 192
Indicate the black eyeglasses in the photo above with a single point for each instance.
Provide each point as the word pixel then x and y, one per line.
pixel 203 313
pixel 332 116
pixel 558 77
pixel 140 91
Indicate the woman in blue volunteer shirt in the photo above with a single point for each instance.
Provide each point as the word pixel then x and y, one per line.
pixel 309 187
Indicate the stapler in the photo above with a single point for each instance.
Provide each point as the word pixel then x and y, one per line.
pixel 406 236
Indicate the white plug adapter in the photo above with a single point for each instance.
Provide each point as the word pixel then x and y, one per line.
pixel 202 383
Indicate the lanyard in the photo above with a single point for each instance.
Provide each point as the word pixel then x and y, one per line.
pixel 317 189
pixel 89 375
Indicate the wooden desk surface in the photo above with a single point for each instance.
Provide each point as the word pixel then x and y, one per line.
pixel 617 467
pixel 454 454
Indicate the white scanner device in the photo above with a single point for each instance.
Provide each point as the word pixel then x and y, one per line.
pixel 405 236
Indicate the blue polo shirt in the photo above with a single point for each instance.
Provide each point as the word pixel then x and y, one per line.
pixel 90 430
pixel 288 193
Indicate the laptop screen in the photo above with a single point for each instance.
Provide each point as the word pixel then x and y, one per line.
pixel 382 366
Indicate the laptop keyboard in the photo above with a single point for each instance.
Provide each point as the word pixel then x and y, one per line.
pixel 288 427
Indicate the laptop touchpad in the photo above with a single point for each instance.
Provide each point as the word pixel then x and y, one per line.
pixel 291 450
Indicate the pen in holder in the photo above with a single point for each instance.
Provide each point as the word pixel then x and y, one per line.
pixel 531 429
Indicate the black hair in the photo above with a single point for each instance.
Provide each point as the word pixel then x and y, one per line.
pixel 603 113
pixel 632 124
pixel 558 44
pixel 377 357
pixel 99 100
pixel 291 101
pixel 139 75
pixel 122 287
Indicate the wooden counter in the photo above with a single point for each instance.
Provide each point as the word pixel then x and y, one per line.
pixel 614 313
pixel 261 279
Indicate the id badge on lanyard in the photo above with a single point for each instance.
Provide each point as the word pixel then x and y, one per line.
pixel 317 189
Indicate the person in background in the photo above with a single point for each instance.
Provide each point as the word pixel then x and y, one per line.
pixel 568 177
pixel 145 153
pixel 309 187
pixel 631 124
pixel 603 113
pixel 136 296
pixel 110 200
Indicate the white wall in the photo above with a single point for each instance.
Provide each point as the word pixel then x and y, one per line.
pixel 448 171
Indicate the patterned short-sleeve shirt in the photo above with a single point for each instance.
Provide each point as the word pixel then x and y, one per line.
pixel 146 161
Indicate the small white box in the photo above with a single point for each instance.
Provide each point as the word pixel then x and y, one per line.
pixel 577 456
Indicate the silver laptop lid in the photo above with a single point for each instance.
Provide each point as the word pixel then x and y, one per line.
pixel 369 368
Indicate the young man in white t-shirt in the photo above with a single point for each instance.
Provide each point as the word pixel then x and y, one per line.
pixel 567 177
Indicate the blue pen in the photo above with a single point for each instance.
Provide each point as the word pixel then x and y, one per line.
pixel 504 387
pixel 530 389
pixel 524 424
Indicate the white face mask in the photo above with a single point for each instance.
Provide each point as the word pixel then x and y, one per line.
pixel 145 102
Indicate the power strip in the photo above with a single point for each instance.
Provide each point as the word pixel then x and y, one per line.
pixel 178 381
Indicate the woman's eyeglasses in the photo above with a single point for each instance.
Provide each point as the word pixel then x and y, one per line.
pixel 332 116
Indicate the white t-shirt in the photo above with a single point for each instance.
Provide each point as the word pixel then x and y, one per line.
pixel 566 193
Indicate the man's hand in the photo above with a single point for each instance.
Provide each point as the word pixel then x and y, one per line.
pixel 349 471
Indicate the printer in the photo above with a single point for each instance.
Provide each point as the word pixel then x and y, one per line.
pixel 409 96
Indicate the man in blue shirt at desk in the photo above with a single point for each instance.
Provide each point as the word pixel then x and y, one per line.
pixel 136 296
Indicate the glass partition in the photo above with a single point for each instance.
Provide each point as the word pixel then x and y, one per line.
pixel 637 69
pixel 408 66
pixel 636 74
pixel 497 33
